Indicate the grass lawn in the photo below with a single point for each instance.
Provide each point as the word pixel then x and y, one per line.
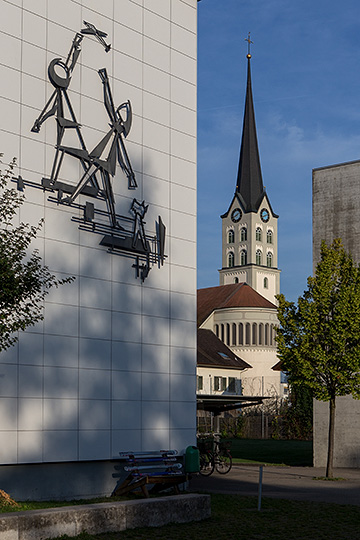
pixel 236 518
pixel 282 452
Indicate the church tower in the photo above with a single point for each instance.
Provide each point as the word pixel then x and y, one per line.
pixel 249 227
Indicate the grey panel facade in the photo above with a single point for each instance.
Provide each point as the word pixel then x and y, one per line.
pixel 336 214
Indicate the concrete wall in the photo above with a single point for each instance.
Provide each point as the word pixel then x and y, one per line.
pixel 336 214
pixel 112 366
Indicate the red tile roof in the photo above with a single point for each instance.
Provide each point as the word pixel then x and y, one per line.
pixel 211 351
pixel 228 296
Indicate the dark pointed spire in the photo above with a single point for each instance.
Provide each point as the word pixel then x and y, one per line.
pixel 249 183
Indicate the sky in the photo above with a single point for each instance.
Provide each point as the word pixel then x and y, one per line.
pixel 306 88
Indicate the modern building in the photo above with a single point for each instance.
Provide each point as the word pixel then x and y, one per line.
pixel 98 103
pixel 242 310
pixel 336 214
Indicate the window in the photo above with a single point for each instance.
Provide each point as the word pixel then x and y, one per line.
pixel 266 283
pixel 236 280
pixel 261 333
pixel 269 259
pixel 266 334
pixel 243 234
pixel 258 257
pixel 222 335
pixel 231 260
pixel 220 384
pixel 199 382
pixel 254 334
pixel 243 257
pixel 231 237
pixel 227 334
pixel 269 237
pixel 232 385
pixel 258 234
pixel 241 334
pixel 217 330
pixel 247 334
pixel 233 342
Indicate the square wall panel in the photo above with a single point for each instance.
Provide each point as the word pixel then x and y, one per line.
pixel 126 385
pixel 126 356
pixel 126 415
pixel 31 380
pixel 30 447
pixel 61 414
pixel 157 27
pixel 11 19
pixel 126 326
pixel 30 414
pixel 31 348
pixel 155 359
pixel 8 443
pixel 61 320
pixel 61 382
pixel 182 387
pixel 126 440
pixel 182 414
pixel 94 384
pixel 61 351
pixel 8 414
pixel 95 323
pixel 94 445
pixel 155 415
pixel 60 445
pixel 8 380
pixel 155 387
pixel 155 330
pixel 156 438
pixel 95 353
pixel 183 361
pixel 182 438
pixel 94 414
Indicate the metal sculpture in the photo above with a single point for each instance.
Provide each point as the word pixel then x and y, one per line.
pixel 123 235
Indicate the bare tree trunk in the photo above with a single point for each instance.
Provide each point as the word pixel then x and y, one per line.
pixel 330 456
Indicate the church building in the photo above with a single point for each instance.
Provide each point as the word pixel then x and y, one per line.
pixel 242 311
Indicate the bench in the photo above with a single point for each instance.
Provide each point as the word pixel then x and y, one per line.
pixel 161 469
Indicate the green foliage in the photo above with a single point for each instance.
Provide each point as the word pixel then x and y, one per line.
pixel 319 338
pixel 24 280
pixel 295 420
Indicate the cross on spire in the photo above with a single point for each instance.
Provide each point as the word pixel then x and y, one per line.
pixel 249 44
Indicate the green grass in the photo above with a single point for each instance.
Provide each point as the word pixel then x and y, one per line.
pixel 39 505
pixel 276 452
pixel 236 518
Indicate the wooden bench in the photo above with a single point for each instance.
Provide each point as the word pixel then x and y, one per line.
pixel 161 469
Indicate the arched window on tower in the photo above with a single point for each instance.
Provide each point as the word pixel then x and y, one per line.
pixel 258 234
pixel 247 334
pixel 231 237
pixel 254 334
pixel 269 237
pixel 258 257
pixel 266 283
pixel 271 335
pixel 222 334
pixel 243 234
pixel 243 257
pixel 236 280
pixel 217 330
pixel 241 334
pixel 269 259
pixel 231 259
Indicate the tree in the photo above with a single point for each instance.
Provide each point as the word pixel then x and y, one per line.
pixel 24 281
pixel 319 338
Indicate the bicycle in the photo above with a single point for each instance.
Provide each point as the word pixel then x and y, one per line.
pixel 214 454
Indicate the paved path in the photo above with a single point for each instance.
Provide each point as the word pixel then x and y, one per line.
pixel 284 482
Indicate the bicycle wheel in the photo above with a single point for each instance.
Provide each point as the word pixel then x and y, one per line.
pixel 206 464
pixel 223 462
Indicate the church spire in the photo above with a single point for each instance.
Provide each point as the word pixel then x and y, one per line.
pixel 249 185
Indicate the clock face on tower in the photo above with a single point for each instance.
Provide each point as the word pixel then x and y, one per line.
pixel 264 214
pixel 236 215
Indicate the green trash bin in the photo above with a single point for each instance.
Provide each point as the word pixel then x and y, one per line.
pixel 192 460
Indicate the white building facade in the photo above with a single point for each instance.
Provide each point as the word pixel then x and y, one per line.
pixel 112 366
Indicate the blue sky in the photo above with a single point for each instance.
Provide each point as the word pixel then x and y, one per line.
pixel 306 87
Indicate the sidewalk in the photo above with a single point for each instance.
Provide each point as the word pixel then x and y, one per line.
pixel 295 483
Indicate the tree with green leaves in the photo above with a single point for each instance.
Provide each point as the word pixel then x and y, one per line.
pixel 24 280
pixel 319 337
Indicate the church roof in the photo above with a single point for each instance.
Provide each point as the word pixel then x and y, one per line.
pixel 211 351
pixel 249 185
pixel 228 296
